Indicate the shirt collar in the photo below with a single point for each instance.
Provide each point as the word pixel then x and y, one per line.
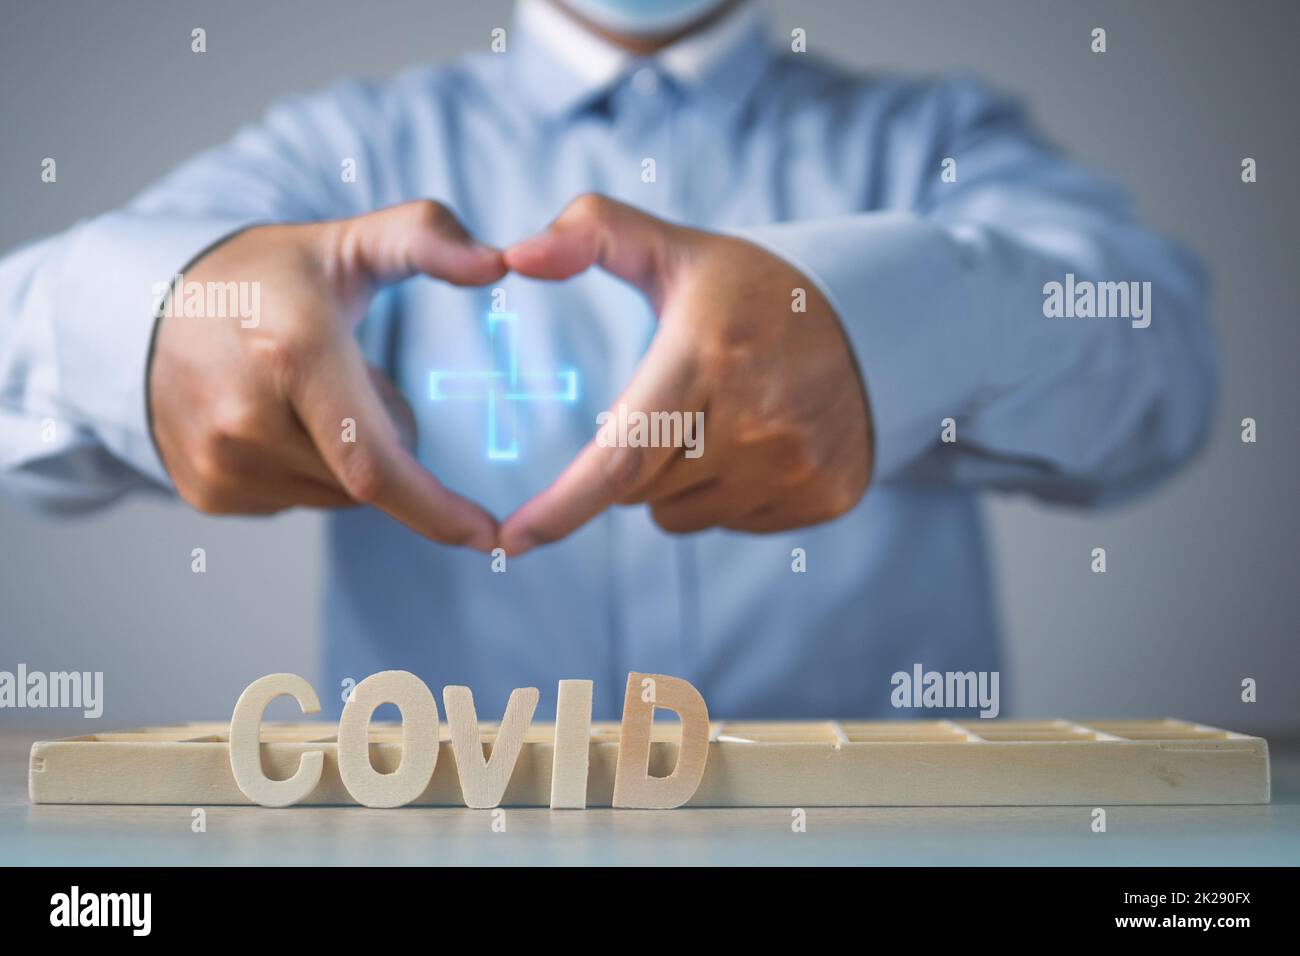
pixel 562 67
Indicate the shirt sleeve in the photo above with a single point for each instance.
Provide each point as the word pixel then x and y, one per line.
pixel 77 310
pixel 946 306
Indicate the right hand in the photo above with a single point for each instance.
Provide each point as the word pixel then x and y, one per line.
pixel 250 420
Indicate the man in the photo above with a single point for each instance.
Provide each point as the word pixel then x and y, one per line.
pixel 848 277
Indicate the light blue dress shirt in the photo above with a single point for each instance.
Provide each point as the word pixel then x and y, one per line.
pixel 939 286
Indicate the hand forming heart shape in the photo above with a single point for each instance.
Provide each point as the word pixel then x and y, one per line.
pixel 246 415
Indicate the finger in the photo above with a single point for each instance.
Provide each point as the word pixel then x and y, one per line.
pixel 306 493
pixel 292 445
pixel 775 517
pixel 285 449
pixel 713 504
pixel 255 462
pixel 266 493
pixel 399 409
pixel 678 476
pixel 596 230
pixel 754 493
pixel 374 468
pixel 290 491
pixel 414 238
pixel 601 476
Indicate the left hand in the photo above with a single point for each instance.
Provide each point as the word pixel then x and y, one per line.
pixel 786 425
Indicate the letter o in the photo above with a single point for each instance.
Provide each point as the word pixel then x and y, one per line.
pixel 419 710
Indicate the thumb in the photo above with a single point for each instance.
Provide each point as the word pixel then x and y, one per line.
pixel 421 237
pixel 597 230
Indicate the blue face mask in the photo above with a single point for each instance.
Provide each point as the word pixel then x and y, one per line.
pixel 643 17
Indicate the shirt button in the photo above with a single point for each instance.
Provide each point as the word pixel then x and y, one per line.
pixel 645 81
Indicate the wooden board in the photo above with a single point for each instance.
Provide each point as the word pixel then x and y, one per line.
pixel 750 764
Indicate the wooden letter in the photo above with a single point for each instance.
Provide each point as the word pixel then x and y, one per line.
pixel 246 747
pixel 572 745
pixel 633 785
pixel 419 739
pixel 483 782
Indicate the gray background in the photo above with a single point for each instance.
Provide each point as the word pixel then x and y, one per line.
pixel 1201 589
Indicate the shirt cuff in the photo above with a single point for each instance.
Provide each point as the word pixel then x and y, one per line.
pixel 902 288
pixel 108 291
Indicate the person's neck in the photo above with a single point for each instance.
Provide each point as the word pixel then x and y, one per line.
pixel 647 46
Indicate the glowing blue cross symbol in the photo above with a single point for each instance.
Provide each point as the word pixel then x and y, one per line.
pixel 502 386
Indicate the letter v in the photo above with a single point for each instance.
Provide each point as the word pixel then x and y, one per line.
pixel 483 781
